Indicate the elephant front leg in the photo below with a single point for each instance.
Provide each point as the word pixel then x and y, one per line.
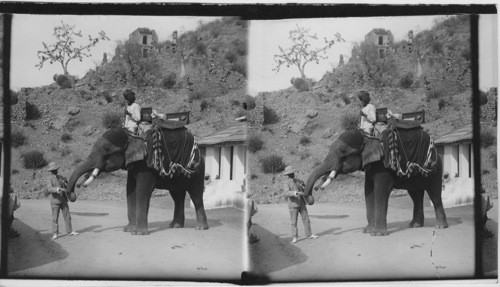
pixel 370 205
pixel 145 185
pixel 131 204
pixel 179 196
pixel 417 197
pixel 383 183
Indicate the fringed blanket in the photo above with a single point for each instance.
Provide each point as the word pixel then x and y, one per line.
pixel 409 151
pixel 172 151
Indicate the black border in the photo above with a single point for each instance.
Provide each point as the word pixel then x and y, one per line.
pixel 251 12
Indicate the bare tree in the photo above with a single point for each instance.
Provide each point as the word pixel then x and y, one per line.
pixel 65 49
pixel 301 52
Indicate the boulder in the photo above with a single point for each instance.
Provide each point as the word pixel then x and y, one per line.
pixel 311 113
pixel 60 122
pixel 73 111
pixel 327 133
pixel 298 125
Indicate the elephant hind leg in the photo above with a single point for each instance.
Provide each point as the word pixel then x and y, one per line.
pixel 179 196
pixel 417 196
pixel 434 192
pixel 201 216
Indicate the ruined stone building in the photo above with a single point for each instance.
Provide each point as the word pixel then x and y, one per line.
pixel 381 38
pixel 145 37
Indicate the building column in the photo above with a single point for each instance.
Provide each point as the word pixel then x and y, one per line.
pixel 212 161
pixel 463 160
pixel 239 163
pixel 225 163
pixel 450 159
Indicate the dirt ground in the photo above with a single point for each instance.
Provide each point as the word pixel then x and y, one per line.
pixel 342 252
pixel 103 251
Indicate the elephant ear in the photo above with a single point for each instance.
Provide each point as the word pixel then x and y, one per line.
pixel 135 151
pixel 353 139
pixel 372 151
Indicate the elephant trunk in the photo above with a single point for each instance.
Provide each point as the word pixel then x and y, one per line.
pixel 311 180
pixel 82 169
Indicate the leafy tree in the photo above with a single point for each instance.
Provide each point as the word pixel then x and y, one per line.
pixel 301 52
pixel 65 49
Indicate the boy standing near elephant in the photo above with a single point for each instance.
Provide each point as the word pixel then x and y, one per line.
pixel 56 186
pixel 294 193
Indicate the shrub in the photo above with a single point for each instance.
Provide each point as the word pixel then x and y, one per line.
pixel 201 48
pixel 272 164
pixel 270 116
pixel 301 84
pixel 32 111
pixel 240 66
pixel 33 159
pixel 253 176
pixel 106 95
pixel 441 104
pixel 203 105
pixel 255 143
pixel 15 171
pixel 406 81
pixel 349 121
pixel 487 138
pixel 63 81
pixel 112 120
pixel 169 81
pixel 305 140
pixel 198 94
pixel 434 94
pixel 18 138
pixel 437 47
pixel 345 99
pixel 231 56
pixel 65 151
pixel 240 46
pixel 65 137
pixel 77 160
pixel 235 102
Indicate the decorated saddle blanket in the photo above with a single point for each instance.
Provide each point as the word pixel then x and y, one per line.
pixel 172 151
pixel 409 151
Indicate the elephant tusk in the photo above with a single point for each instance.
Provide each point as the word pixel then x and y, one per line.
pixel 91 177
pixel 331 176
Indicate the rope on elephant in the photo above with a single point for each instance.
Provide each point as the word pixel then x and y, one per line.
pixel 174 168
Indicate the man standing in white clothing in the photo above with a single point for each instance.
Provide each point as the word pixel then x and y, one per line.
pixel 367 113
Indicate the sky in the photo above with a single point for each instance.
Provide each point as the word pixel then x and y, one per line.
pixel 29 31
pixel 266 36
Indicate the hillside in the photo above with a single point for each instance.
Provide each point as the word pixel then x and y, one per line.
pixel 63 123
pixel 308 122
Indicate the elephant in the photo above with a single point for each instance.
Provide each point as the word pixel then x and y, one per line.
pixel 352 151
pixel 113 151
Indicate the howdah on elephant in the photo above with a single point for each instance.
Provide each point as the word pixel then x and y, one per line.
pixel 353 151
pixel 170 160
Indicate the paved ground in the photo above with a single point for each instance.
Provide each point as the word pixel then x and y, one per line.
pixel 103 250
pixel 343 252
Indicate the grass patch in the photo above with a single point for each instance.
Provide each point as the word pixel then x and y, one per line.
pixel 65 137
pixel 434 94
pixel 305 140
pixel 32 111
pixel 18 138
pixel 255 143
pixel 112 120
pixel 270 116
pixel 33 159
pixel 65 151
pixel 487 138
pixel 305 155
pixel 272 164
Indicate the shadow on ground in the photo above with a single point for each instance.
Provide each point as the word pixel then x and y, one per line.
pixel 398 226
pixel 286 255
pixel 89 213
pixel 328 216
pixel 163 225
pixel 24 252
